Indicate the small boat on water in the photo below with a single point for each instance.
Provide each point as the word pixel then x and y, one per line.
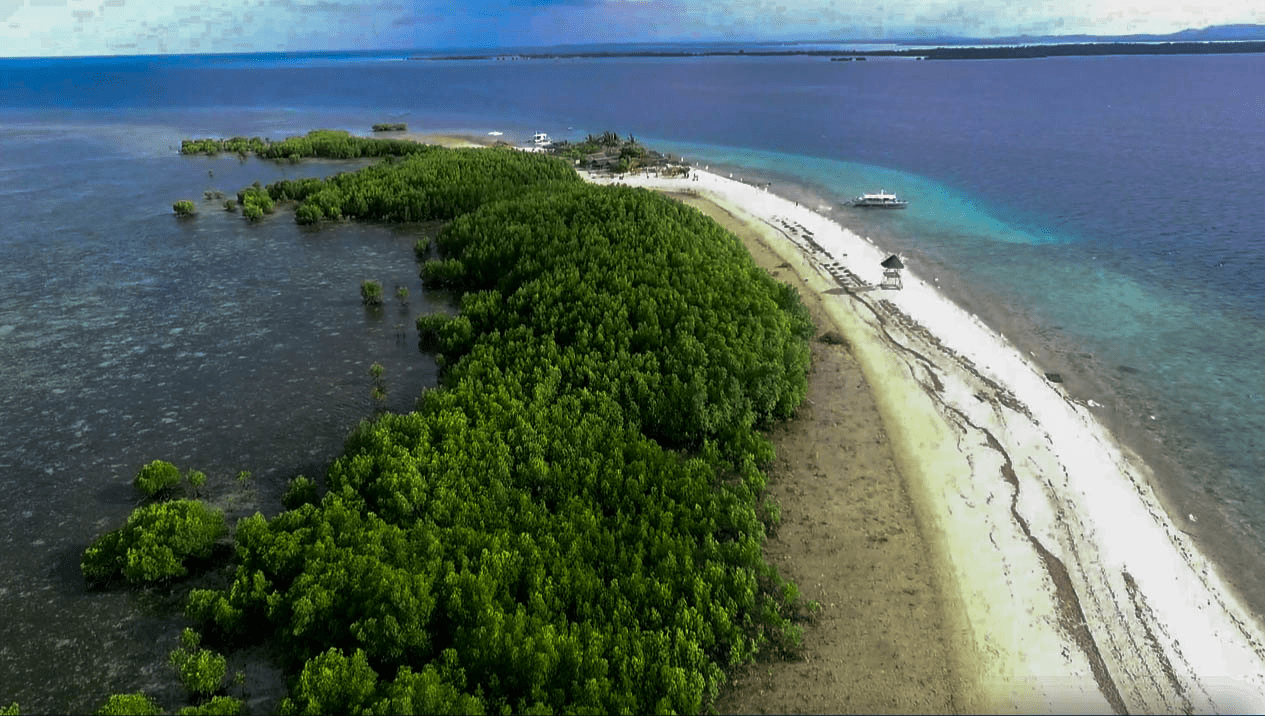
pixel 879 200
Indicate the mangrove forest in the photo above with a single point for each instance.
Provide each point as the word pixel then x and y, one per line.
pixel 571 521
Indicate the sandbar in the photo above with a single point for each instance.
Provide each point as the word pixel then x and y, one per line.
pixel 451 141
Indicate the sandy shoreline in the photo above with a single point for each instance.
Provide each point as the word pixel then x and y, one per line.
pixel 849 538
pixel 453 140
pixel 1064 584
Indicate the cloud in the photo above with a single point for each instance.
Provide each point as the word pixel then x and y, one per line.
pixel 49 26
pixel 411 20
pixel 8 8
pixel 330 6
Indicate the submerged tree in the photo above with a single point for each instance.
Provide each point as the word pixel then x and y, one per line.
pixel 371 292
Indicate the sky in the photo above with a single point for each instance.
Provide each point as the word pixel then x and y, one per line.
pixel 114 27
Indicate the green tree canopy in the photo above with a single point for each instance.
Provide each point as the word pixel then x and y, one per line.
pixel 155 543
pixel 573 521
pixel 157 478
pixel 137 704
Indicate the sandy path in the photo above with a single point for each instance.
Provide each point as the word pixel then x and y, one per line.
pixel 1063 585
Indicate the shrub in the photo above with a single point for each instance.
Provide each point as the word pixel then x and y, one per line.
pixel 155 542
pixel 125 704
pixel 332 683
pixel 184 207
pixel 218 706
pixel 201 670
pixel 371 293
pixel 443 273
pixel 308 214
pixel 197 479
pixel 302 491
pixel 429 328
pixel 157 478
pixel 255 202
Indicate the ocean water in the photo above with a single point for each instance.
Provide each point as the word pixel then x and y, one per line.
pixel 1105 213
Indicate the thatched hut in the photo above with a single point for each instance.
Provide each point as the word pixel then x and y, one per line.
pixel 891 272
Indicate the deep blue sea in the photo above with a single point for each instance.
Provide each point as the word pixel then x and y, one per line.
pixel 1105 213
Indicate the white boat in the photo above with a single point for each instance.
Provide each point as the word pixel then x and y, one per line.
pixel 879 200
pixel 541 139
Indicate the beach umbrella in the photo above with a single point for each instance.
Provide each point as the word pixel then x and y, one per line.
pixel 893 262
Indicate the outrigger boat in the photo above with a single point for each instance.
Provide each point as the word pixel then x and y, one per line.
pixel 879 200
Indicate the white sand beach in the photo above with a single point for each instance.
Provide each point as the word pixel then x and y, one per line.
pixel 1066 586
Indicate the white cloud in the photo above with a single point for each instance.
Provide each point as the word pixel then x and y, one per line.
pixel 40 27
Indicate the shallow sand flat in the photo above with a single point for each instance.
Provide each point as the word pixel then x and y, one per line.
pixel 1065 586
pixel 451 141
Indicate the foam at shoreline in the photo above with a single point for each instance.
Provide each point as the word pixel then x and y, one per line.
pixel 1069 586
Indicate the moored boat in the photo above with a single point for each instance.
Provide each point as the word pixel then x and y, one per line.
pixel 879 200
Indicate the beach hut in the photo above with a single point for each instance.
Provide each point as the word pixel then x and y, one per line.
pixel 891 272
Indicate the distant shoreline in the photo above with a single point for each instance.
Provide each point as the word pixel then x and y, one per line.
pixel 1007 52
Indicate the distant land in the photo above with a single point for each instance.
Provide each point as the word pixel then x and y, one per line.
pixel 1083 49
pixel 1215 33
pixel 1219 39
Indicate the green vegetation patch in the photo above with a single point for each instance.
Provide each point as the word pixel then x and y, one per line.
pixel 653 303
pixel 439 184
pixel 155 543
pixel 573 521
pixel 157 478
pixel 201 671
pixel 371 292
pixel 136 704
pixel 319 143
pixel 255 202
